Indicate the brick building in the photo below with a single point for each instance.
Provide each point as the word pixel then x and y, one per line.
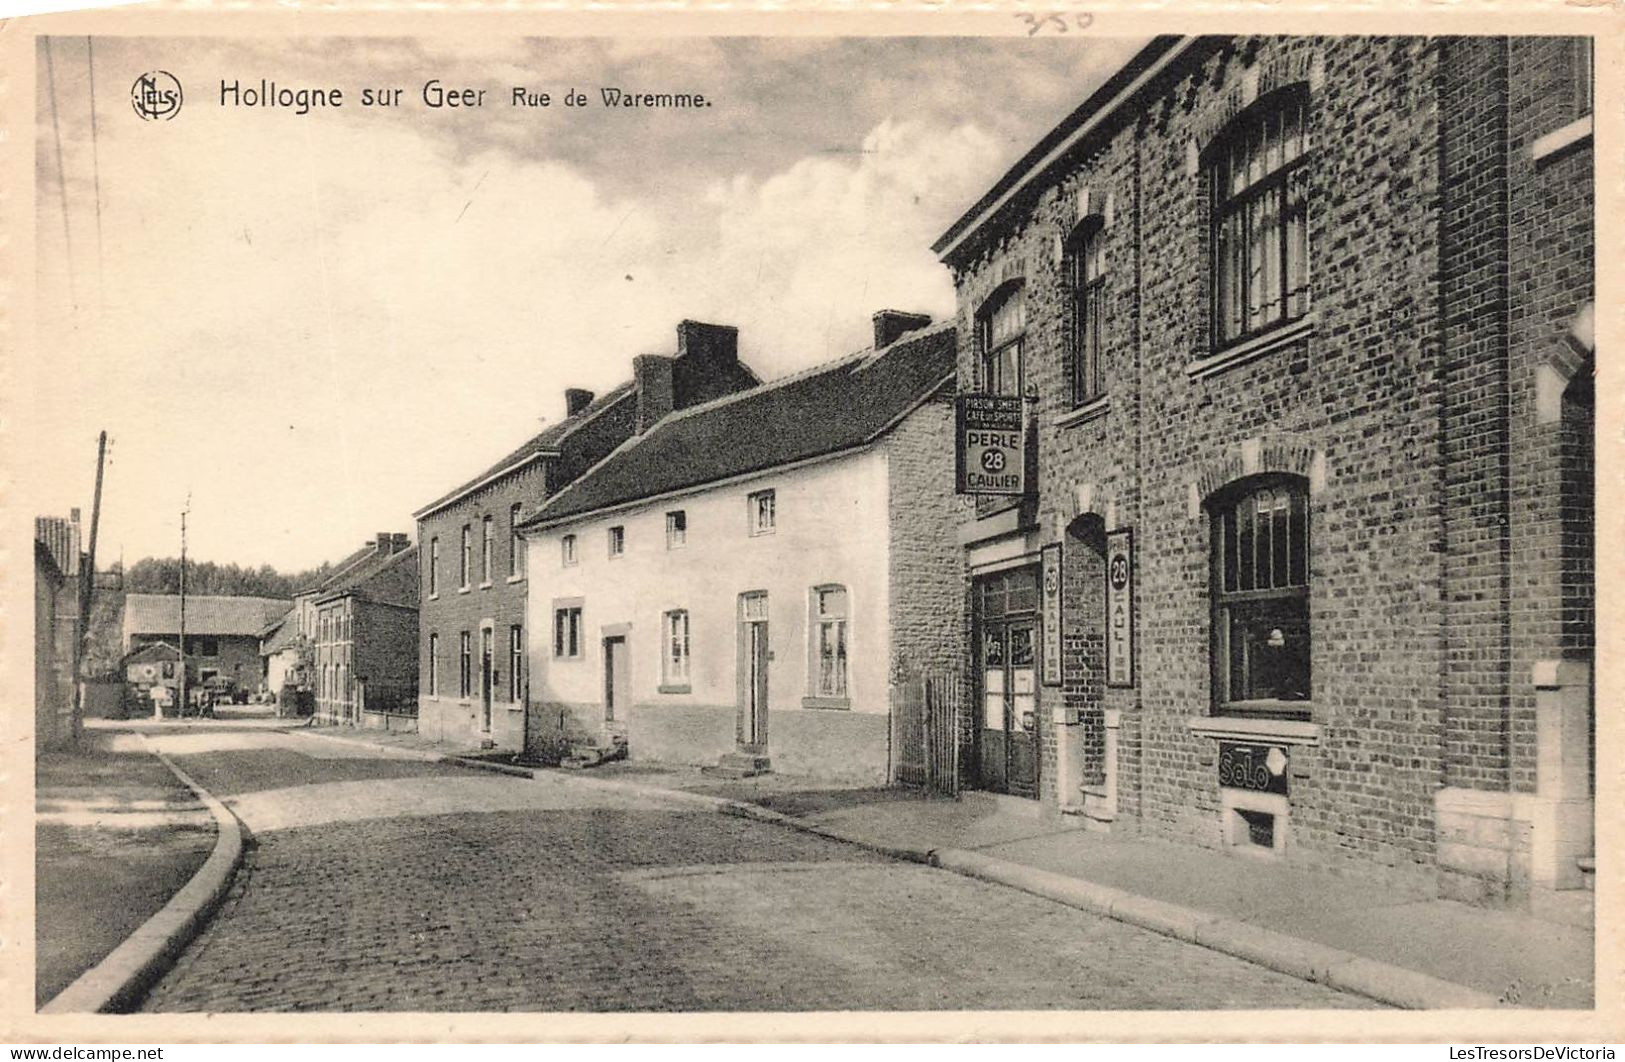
pixel 742 584
pixel 59 586
pixel 1302 327
pixel 365 659
pixel 472 611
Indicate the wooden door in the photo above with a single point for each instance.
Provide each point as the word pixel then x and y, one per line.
pixel 617 677
pixel 485 679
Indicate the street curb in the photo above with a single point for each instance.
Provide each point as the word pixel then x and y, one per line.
pixel 118 982
pixel 1293 956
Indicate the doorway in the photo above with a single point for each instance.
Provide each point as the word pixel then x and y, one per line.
pixel 754 655
pixel 1007 751
pixel 485 679
pixel 617 676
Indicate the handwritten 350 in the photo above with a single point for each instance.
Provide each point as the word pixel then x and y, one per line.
pixel 1055 22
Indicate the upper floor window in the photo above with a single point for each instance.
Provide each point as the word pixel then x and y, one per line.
pixel 674 664
pixel 567 550
pixel 617 540
pixel 467 565
pixel 1261 598
pixel 676 529
pixel 516 546
pixel 1086 284
pixel 434 566
pixel 1260 237
pixel 488 538
pixel 999 331
pixel 763 512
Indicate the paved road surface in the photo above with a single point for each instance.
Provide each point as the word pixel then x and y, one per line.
pixel 378 883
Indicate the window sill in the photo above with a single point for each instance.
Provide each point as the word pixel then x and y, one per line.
pixel 464 589
pixel 837 704
pixel 435 596
pixel 486 585
pixel 1250 728
pixel 1255 347
pixel 682 687
pixel 761 534
pixel 515 579
pixel 1091 410
pixel 1574 134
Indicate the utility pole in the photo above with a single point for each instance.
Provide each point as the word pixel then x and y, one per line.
pixel 180 707
pixel 87 591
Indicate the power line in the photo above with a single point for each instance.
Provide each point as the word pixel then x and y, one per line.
pixel 96 171
pixel 61 174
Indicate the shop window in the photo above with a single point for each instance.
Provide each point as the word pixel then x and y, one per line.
pixel 674 671
pixel 1259 244
pixel 763 511
pixel 830 650
pixel 567 631
pixel 1261 638
pixel 1000 329
pixel 1086 292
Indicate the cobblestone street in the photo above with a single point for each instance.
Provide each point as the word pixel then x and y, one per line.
pixel 377 883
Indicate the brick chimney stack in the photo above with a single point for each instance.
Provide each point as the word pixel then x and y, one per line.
pixel 711 343
pixel 399 542
pixel 576 399
pixel 383 539
pixel 656 391
pixel 891 325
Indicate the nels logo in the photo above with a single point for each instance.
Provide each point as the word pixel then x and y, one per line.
pixel 156 95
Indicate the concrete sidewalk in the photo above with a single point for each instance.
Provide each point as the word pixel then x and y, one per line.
pixel 1403 949
pixel 1513 957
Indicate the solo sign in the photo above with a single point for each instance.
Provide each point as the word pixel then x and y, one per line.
pixel 990 451
pixel 1120 608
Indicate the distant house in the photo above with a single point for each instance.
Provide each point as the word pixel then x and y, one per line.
pixel 743 584
pixel 366 645
pixel 472 643
pixel 287 643
pixel 222 633
pixel 153 672
pixel 58 568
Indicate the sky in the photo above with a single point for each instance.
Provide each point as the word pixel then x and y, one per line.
pixel 302 328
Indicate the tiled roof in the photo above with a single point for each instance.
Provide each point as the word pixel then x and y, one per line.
pixel 339 570
pixel 384 582
pixel 280 635
pixel 151 651
pixel 833 407
pixel 161 614
pixel 544 442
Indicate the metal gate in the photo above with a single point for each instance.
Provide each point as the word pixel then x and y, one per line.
pixel 925 740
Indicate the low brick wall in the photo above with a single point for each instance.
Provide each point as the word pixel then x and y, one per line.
pixel 393 722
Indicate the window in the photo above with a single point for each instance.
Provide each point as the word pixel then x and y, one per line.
pixel 674 668
pixel 676 529
pixel 434 665
pixel 763 513
pixel 1260 234
pixel 516 663
pixel 434 566
pixel 487 544
pixel 617 540
pixel 516 547
pixel 999 330
pixel 1584 85
pixel 1261 599
pixel 467 565
pixel 567 548
pixel 567 631
pixel 1086 283
pixel 829 626
pixel 465 668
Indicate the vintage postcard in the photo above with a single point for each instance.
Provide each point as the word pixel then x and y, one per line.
pixel 1008 524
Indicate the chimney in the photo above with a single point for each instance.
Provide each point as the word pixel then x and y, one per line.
pixel 575 400
pixel 653 375
pixel 383 542
pixel 398 542
pixel 710 343
pixel 890 325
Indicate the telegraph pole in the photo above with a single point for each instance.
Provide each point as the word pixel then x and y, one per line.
pixel 180 709
pixel 87 590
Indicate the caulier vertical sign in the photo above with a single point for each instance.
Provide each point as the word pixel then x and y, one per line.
pixel 1120 608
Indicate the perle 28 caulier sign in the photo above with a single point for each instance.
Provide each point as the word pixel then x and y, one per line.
pixel 1120 608
pixel 990 445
